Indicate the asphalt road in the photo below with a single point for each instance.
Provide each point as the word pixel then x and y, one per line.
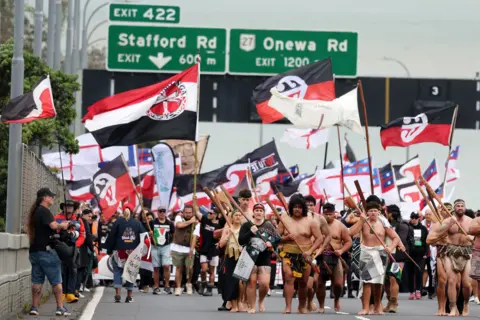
pixel 198 307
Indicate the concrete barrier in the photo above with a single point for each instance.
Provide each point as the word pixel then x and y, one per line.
pixel 15 276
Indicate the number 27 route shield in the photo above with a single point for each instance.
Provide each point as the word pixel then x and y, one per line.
pixel 165 49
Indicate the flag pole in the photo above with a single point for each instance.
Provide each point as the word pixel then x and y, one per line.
pixel 195 150
pixel 454 122
pixel 325 156
pixel 366 134
pixel 61 169
pixel 341 164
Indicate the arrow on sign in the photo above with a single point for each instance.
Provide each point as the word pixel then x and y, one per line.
pixel 160 61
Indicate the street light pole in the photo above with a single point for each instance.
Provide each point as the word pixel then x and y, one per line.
pixel 68 51
pixel 37 47
pixel 85 31
pixel 401 64
pixel 76 38
pixel 14 182
pixel 51 32
pixel 98 25
pixel 58 35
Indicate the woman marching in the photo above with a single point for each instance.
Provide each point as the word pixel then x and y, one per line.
pixel 261 235
pixel 229 241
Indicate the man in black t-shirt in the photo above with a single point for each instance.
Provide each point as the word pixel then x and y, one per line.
pixel 162 235
pixel 44 259
pixel 208 250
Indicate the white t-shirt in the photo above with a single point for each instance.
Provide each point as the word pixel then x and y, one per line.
pixel 183 249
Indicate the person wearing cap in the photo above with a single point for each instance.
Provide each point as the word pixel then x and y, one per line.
pixel 163 230
pixel 259 233
pixel 74 237
pixel 418 252
pixel 41 227
pixel 456 256
pixel 340 243
pixel 373 256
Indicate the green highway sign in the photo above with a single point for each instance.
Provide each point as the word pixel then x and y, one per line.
pixel 165 49
pixel 142 13
pixel 266 52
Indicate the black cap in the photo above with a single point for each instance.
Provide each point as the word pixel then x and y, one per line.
pixel 414 215
pixel 43 192
pixel 68 203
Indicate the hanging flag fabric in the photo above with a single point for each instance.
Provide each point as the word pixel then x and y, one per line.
pixel 431 175
pixel 305 138
pixel 405 176
pixel 164 164
pixel 91 157
pixel 80 190
pixel 434 126
pixel 311 82
pixel 165 110
pixel 349 155
pixel 31 106
pixel 319 114
pixel 112 184
pixel 453 173
pixel 385 178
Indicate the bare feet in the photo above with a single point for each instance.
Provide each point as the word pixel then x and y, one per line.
pixel 261 306
pixel 378 311
pixel 251 310
pixel 363 312
pixel 312 306
pixel 321 310
pixel 234 310
pixel 287 311
pixel 303 310
pixel 241 307
pixel 465 310
pixel 336 305
pixel 441 313
pixel 453 312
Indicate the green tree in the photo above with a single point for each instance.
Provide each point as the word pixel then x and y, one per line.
pixel 48 132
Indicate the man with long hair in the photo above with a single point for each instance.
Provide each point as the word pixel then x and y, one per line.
pixel 45 262
pixel 298 250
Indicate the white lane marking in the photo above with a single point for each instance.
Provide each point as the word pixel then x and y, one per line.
pixel 340 312
pixel 361 318
pixel 89 310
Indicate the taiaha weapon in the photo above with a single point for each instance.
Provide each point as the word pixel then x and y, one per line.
pixel 284 203
pixel 313 263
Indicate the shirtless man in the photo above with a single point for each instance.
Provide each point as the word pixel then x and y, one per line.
pixel 474 230
pixel 340 243
pixel 312 280
pixel 297 250
pixel 373 257
pixel 457 262
pixel 440 243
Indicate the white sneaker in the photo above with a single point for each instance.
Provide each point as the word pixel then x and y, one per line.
pixel 269 293
pixel 178 291
pixel 189 289
pixel 477 301
pixel 472 299
pixel 81 295
pixel 86 289
pixel 81 288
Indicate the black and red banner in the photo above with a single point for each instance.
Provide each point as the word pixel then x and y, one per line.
pixel 31 106
pixel 434 126
pixel 112 184
pixel 311 82
pixel 263 161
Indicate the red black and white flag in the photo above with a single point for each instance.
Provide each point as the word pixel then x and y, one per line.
pixel 311 82
pixel 165 110
pixel 31 106
pixel 112 184
pixel 434 126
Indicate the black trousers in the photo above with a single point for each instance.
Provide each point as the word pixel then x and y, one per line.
pixel 231 285
pixel 431 287
pixel 81 277
pixel 69 278
pixel 146 278
pixel 273 274
pixel 415 275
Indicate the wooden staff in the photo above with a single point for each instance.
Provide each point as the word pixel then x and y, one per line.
pixel 360 192
pixel 435 196
pixel 315 267
pixel 221 196
pixel 439 218
pixel 251 182
pixel 341 164
pixel 284 203
pixel 216 202
pixel 360 87
pixel 369 225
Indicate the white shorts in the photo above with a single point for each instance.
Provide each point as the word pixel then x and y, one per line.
pixel 213 262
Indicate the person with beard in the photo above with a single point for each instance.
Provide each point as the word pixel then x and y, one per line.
pixel 457 253
pixel 298 249
pixel 74 238
pixel 259 233
pixel 405 232
pixel 340 243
